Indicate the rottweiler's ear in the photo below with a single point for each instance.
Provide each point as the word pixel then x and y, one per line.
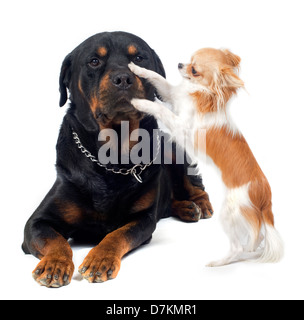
pixel 64 80
pixel 159 66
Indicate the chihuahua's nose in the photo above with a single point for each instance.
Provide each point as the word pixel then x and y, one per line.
pixel 180 66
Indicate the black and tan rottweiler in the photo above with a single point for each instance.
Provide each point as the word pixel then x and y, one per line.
pixel 114 206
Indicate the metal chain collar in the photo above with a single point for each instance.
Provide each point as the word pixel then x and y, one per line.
pixel 135 171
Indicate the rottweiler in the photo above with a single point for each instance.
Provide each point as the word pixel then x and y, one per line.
pixel 113 206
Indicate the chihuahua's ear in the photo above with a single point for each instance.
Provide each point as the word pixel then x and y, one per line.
pixel 232 59
pixel 230 79
pixel 64 80
pixel 225 85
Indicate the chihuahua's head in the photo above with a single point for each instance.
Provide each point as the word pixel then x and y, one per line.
pixel 215 71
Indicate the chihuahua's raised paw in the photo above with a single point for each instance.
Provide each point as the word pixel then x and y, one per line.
pixel 144 105
pixel 140 72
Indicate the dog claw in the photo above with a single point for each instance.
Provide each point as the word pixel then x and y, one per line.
pixel 83 270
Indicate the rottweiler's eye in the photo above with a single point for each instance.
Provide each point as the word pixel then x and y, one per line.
pixel 94 62
pixel 138 59
pixel 194 72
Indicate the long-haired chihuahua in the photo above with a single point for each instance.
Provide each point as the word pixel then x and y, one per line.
pixel 200 106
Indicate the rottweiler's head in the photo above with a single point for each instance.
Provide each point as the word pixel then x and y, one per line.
pixel 100 83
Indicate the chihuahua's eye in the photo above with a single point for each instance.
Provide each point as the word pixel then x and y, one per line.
pixel 194 72
pixel 94 63
pixel 138 59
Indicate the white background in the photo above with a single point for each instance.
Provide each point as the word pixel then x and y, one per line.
pixel 268 35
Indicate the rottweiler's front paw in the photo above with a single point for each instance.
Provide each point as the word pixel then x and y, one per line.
pixel 186 210
pixel 54 271
pixel 203 202
pixel 100 266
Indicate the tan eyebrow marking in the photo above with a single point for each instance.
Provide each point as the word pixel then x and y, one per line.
pixel 132 49
pixel 102 51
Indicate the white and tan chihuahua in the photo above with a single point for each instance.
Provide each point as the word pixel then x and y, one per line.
pixel 200 107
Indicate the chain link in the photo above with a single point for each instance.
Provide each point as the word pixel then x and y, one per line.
pixel 135 171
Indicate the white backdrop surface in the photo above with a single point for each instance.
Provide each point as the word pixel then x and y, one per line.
pixel 267 35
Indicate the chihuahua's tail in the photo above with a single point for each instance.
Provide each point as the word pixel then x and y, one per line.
pixel 273 250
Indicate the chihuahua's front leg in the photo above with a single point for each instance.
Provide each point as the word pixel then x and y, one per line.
pixel 163 87
pixel 179 130
pixel 156 109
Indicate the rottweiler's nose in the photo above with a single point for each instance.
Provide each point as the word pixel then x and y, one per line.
pixel 123 80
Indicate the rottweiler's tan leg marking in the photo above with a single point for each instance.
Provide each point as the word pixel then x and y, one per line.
pixel 103 262
pixel 56 266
